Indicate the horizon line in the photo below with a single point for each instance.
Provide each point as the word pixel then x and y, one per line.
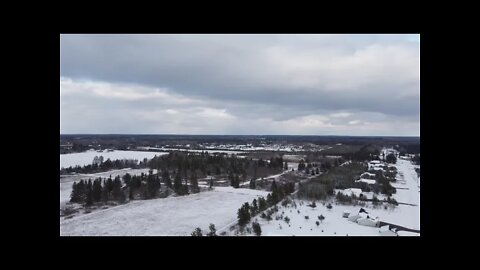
pixel 166 134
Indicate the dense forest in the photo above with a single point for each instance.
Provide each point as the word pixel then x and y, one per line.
pixel 204 165
pixel 118 189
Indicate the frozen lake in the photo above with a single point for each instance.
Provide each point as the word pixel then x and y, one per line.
pixel 86 158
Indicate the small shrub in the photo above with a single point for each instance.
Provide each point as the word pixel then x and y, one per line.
pixel 321 218
pixel 306 217
pixel 316 222
pixel 213 231
pixel 197 232
pixel 68 211
pixel 329 206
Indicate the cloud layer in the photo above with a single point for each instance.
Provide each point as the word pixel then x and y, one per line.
pixel 240 84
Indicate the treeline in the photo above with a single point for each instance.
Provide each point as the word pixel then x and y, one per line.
pixel 204 164
pixel 279 192
pixel 118 189
pixel 353 199
pixel 315 167
pixel 102 166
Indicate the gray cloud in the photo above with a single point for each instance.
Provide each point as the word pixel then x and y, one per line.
pixel 213 83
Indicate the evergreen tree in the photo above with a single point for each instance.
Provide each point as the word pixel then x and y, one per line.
pixel 262 204
pixel 105 193
pixel 275 195
pixel 256 228
pixel 109 185
pixel 231 177
pixel 166 179
pixel 127 178
pixel 76 196
pixel 197 232
pixel 177 184
pixel 285 167
pixel 153 185
pixel 270 201
pixel 301 165
pixel 252 184
pixel 194 183
pixel 236 182
pixel 97 190
pixel 213 231
pixel 254 208
pixel 89 194
pixel 317 171
pixel 117 190
pixel 243 214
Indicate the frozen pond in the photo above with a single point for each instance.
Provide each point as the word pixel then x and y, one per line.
pixel 86 158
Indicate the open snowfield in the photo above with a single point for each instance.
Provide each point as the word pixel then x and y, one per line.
pixel 333 224
pixel 86 158
pixel 162 217
pixel 67 182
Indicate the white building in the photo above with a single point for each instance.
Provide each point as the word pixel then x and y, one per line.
pixel 368 181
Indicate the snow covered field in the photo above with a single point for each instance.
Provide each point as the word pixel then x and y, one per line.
pixel 168 216
pixel 86 158
pixel 333 224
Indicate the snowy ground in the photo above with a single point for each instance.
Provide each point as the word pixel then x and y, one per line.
pixel 409 193
pixel 67 182
pixel 335 225
pixel 86 158
pixel 168 216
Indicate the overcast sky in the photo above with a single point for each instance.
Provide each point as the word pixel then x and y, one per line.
pixel 240 84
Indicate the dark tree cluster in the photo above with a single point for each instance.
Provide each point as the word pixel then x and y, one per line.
pixel 391 158
pixel 88 192
pixel 279 192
